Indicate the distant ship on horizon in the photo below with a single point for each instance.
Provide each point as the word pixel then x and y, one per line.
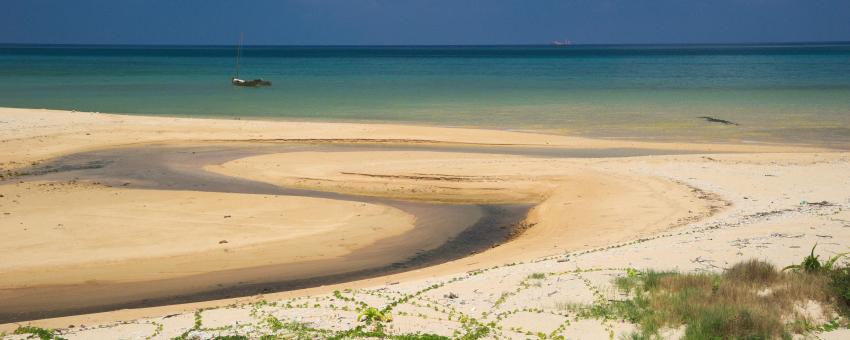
pixel 565 42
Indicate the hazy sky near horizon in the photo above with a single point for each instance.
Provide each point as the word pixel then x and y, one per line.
pixel 412 22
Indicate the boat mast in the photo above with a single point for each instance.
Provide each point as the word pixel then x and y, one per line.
pixel 239 52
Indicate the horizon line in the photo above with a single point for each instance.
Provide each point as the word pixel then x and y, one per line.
pixel 824 42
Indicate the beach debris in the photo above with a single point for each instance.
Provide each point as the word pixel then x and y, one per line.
pixel 820 204
pixel 450 295
pixel 704 261
pixel 783 235
pixel 717 120
pixel 226 216
pixel 222 242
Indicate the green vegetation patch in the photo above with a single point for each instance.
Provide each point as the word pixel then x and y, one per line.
pixel 41 333
pixel 751 300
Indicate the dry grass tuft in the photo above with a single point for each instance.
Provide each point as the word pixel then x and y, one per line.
pixel 754 272
pixel 751 300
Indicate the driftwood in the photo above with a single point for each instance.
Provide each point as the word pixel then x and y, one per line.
pixel 717 120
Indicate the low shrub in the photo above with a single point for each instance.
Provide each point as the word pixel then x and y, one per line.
pixel 750 300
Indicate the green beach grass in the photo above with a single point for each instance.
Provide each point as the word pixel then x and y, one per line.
pixel 750 300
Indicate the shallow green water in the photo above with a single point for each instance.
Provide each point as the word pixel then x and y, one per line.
pixel 798 93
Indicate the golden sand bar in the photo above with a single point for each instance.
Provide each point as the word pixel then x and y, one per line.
pixel 70 233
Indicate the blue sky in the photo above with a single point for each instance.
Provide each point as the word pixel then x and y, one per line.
pixel 413 22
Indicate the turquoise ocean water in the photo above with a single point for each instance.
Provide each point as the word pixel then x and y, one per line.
pixel 796 92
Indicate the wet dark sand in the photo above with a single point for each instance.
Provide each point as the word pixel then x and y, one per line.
pixel 464 228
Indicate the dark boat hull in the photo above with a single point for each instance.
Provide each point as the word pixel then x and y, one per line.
pixel 252 83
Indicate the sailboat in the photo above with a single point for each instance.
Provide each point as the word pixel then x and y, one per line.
pixel 241 82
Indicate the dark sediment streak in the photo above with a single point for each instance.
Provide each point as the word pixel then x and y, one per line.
pixel 180 168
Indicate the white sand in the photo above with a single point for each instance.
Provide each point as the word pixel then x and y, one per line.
pixel 588 214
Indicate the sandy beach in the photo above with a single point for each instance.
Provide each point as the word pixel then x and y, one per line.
pixel 132 226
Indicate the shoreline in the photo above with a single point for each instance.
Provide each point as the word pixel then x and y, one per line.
pixel 629 134
pixel 468 163
pixel 224 129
